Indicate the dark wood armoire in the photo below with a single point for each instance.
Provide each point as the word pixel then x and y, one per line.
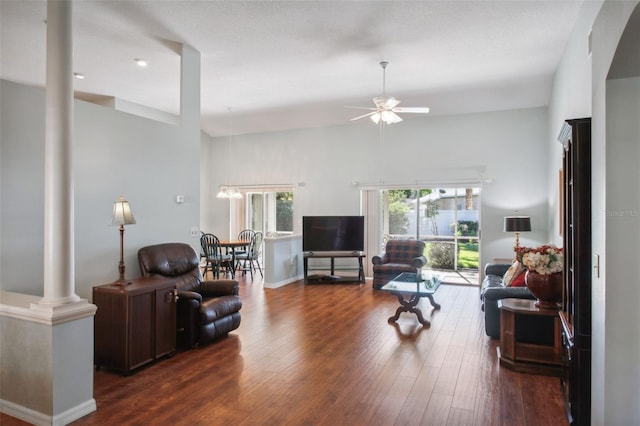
pixel 576 302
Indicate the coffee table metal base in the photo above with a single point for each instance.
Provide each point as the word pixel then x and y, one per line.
pixel 408 303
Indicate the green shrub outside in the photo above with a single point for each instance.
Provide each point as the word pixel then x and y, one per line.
pixel 440 255
pixel 466 228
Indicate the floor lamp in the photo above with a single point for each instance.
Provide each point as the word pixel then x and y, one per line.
pixel 122 216
pixel 517 224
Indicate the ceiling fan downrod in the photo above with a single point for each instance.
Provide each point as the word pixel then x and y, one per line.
pixel 384 64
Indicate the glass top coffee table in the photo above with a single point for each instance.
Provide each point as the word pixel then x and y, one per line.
pixel 410 287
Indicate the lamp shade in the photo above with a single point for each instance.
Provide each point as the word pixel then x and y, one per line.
pixel 122 213
pixel 517 224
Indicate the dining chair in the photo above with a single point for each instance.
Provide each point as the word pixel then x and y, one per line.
pixel 244 235
pixel 251 259
pixel 214 258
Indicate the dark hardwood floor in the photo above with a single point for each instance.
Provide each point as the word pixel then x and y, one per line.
pixel 325 355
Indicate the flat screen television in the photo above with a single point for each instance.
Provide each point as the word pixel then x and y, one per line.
pixel 332 233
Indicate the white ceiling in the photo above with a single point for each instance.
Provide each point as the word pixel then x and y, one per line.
pixel 296 64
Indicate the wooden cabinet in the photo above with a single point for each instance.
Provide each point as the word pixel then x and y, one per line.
pixel 576 301
pixel 134 324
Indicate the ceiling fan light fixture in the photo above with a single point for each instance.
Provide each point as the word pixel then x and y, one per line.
pixel 389 117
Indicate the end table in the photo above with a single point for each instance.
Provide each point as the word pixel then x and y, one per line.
pixel 523 356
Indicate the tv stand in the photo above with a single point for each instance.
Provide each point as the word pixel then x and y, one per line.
pixel 332 278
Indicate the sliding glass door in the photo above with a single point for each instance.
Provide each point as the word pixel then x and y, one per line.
pixel 447 219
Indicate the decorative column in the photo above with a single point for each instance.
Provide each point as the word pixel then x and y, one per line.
pixel 51 371
pixel 59 278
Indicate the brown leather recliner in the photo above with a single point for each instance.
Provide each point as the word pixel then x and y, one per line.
pixel 206 309
pixel 399 256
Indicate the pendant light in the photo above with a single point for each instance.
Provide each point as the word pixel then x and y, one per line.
pixel 229 191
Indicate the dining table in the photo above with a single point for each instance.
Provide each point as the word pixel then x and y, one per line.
pixel 232 246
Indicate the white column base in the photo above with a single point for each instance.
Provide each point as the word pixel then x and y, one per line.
pixel 46 378
pixel 36 418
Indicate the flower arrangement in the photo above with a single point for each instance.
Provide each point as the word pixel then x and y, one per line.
pixel 546 259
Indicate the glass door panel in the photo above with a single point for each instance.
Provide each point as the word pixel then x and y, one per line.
pixel 446 219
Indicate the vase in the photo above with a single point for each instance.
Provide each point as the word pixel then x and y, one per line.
pixel 546 288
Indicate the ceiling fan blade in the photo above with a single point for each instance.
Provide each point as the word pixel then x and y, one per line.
pixel 356 107
pixel 391 103
pixel 385 103
pixel 421 110
pixel 365 115
pixel 380 101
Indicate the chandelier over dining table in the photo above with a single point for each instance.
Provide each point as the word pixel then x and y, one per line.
pixel 229 192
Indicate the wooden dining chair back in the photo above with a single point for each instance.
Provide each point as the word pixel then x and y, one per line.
pixel 244 235
pixel 214 258
pixel 251 259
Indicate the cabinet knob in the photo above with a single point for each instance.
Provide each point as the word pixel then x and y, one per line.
pixel 171 297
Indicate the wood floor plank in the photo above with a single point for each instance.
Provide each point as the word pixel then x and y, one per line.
pixel 437 412
pixel 460 417
pixel 326 355
pixel 467 384
pixel 418 398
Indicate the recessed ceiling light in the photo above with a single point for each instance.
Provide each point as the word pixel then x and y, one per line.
pixel 78 75
pixel 140 62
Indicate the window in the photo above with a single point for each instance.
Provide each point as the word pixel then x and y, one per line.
pixel 270 212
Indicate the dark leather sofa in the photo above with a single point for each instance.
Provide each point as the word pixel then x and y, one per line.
pixel 492 290
pixel 206 310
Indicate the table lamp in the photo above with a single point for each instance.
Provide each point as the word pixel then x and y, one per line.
pixel 122 216
pixel 517 224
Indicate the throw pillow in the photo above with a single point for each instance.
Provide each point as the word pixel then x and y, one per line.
pixel 518 281
pixel 514 270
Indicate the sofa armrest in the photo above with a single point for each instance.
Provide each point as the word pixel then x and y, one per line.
pixel 498 269
pixel 190 295
pixel 419 261
pixel 491 311
pixel 219 288
pixel 379 260
pixel 498 293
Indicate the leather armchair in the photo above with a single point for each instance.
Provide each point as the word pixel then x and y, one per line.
pixel 399 256
pixel 206 309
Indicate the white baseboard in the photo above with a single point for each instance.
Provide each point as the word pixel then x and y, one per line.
pixel 39 419
pixel 282 283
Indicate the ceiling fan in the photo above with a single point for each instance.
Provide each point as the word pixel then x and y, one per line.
pixel 387 107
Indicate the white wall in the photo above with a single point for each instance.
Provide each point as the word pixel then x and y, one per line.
pixel 622 342
pixel 147 162
pixel 581 90
pixel 571 99
pixel 616 379
pixel 509 148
